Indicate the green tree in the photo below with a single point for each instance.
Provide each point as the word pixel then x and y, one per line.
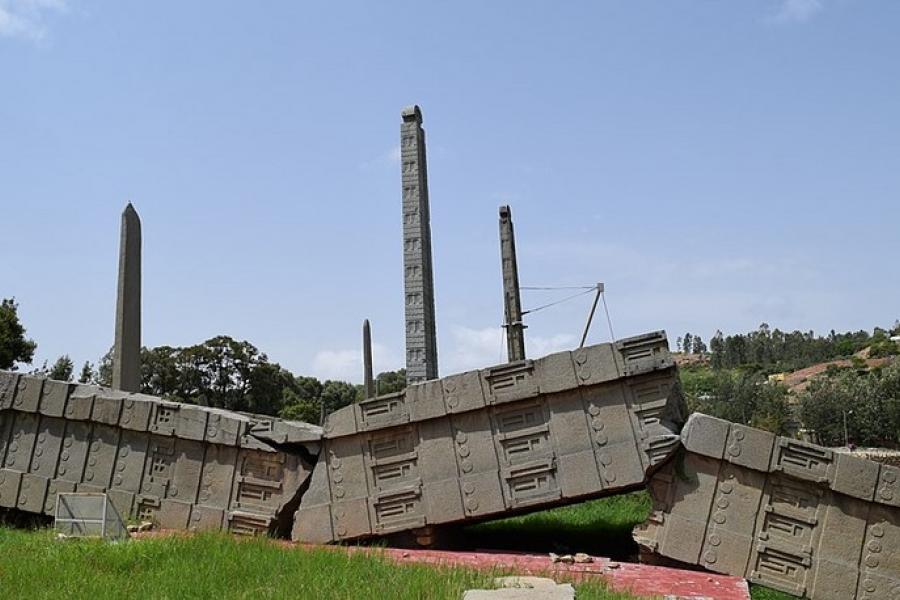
pixel 698 347
pixel 104 369
pixel 688 343
pixel 389 382
pixel 302 401
pixel 87 374
pixel 62 369
pixel 337 394
pixel 14 346
pixel 740 397
pixel 869 401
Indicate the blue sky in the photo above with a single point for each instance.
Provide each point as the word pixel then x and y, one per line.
pixel 716 164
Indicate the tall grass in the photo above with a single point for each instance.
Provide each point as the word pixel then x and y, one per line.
pixel 34 565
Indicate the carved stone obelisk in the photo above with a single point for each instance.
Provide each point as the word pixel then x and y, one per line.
pixel 418 278
pixel 127 350
pixel 368 380
pixel 512 301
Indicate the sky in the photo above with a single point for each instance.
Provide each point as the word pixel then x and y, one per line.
pixel 715 164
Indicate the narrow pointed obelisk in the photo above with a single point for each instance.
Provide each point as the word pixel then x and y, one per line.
pixel 512 301
pixel 127 350
pixel 418 277
pixel 368 381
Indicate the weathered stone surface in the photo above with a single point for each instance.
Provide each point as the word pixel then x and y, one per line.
pixel 179 465
pixel 418 277
pixel 482 443
pixel 512 301
pixel 524 588
pixel 783 513
pixel 127 347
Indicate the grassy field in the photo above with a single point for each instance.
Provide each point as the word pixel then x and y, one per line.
pixel 600 527
pixel 35 565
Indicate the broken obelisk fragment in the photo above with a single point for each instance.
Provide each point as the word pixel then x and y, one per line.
pixel 512 301
pixel 418 279
pixel 368 381
pixel 127 349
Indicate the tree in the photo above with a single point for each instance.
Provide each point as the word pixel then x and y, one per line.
pixel 302 401
pixel 740 397
pixel 62 369
pixel 14 346
pixel 717 348
pixel 104 369
pixel 869 400
pixel 688 343
pixel 698 346
pixel 87 374
pixel 390 382
pixel 337 394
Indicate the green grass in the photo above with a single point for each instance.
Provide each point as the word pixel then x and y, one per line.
pixel 35 565
pixel 600 527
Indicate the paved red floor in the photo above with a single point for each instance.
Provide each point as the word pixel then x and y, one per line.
pixel 640 580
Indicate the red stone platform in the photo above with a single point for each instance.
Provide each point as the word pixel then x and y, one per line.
pixel 637 579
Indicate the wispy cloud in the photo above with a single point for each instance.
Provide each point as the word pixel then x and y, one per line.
pixel 347 365
pixel 468 348
pixel 797 11
pixel 26 19
pixel 386 159
pixel 472 348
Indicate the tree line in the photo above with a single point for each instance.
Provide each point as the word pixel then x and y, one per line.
pixel 772 350
pixel 221 372
pixel 737 386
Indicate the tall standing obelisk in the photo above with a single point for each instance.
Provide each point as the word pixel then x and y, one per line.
pixel 512 301
pixel 418 277
pixel 127 350
pixel 368 380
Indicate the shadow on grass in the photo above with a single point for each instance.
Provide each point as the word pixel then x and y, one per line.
pixel 599 527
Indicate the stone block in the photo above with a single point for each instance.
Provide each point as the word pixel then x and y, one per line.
pixel 705 435
pixel 749 447
pixel 382 411
pixel 596 364
pixel 74 451
pixel 130 460
pixel 53 398
pixel 32 493
pixel 426 400
pixel 78 408
pixel 107 407
pixel 136 413
pixel 9 488
pixel 190 422
pixel 463 392
pixel 9 382
pixel 163 418
pixel 47 446
pixel 556 373
pixel 28 394
pixel 350 518
pixel 56 486
pixel 223 429
pixel 21 443
pixel 855 477
pixel 218 474
pixel 312 524
pixel 509 382
pixel 206 518
pixel 340 423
